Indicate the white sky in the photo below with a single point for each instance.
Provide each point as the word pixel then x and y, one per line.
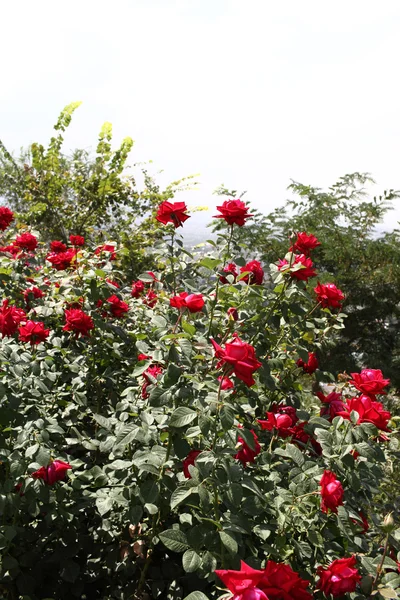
pixel 249 93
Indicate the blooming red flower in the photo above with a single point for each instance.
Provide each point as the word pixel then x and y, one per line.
pixel 301 438
pixel 331 492
pixel 113 283
pixel 172 212
pixel 54 472
pixel 33 332
pixel 56 246
pixel 339 577
pixel 150 299
pixel 143 357
pixel 370 381
pixel 6 217
pixel 62 260
pixel 234 212
pixel 256 274
pixel 150 375
pixel 11 249
pixel 227 384
pixel 282 418
pixel 304 273
pixel 304 243
pixel 369 411
pixel 238 357
pixel 77 240
pixel 33 292
pixel 246 454
pixel 280 582
pixel 117 306
pixel 137 289
pixel 311 365
pixel 332 404
pixel 189 461
pixel 329 295
pixel 109 248
pixel 10 318
pixel 193 302
pixel 229 269
pixel 26 241
pixel 242 584
pixel 78 321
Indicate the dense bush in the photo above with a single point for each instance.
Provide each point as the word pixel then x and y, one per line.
pixel 155 431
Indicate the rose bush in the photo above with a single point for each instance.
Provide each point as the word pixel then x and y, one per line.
pixel 156 433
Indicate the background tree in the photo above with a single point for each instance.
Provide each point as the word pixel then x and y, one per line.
pixel 354 254
pixel 94 196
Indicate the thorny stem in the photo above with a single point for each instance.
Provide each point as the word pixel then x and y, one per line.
pixel 214 304
pixel 380 566
pixel 172 261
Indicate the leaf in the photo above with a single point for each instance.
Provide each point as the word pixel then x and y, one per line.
pixel 295 454
pixel 388 593
pixel 188 327
pixel 179 495
pixel 103 421
pixel 196 596
pixel 119 465
pixel 227 417
pixel 191 561
pixel 209 263
pixel 182 416
pixel 229 542
pixel 174 540
pixel 104 505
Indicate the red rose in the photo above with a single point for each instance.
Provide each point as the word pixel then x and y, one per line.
pixel 189 461
pixel 240 358
pixel 329 295
pixel 301 438
pixel 26 241
pixel 6 216
pixel 304 272
pixel 62 260
pixel 256 274
pixel 369 411
pixel 280 582
pixel 12 249
pixel 32 292
pixel 234 212
pixel 113 283
pixel 232 313
pixel 77 240
pixel 369 381
pixel 229 269
pixel 339 577
pixel 109 248
pixel 137 289
pixel 247 454
pixel 172 212
pixel 311 366
pixel 193 302
pixel 304 243
pixel 78 321
pixel 227 384
pixel 117 306
pixel 54 472
pixel 33 332
pixel 242 584
pixel 56 246
pixel 150 299
pixel 332 405
pixel 281 418
pixel 150 377
pixel 10 318
pixel 143 357
pixel 331 492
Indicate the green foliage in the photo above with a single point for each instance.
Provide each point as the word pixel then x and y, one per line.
pixel 126 522
pixel 355 255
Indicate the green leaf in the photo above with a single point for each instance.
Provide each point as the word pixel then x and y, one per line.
pixel 174 540
pixel 295 454
pixel 104 505
pixel 196 596
pixel 179 495
pixel 191 561
pixel 188 327
pixel 229 542
pixel 227 417
pixel 182 416
pixel 209 263
pixel 388 592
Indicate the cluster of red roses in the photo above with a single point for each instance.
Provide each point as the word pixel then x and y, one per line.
pixel 138 291
pixel 278 580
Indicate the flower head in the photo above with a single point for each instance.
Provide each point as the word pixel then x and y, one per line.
pixel 247 454
pixel 243 584
pixel 338 578
pixel 33 332
pixel 77 240
pixel 369 381
pixel 78 321
pixel 280 582
pixel 329 295
pixel 56 246
pixel 301 269
pixel 332 492
pixel 10 318
pixel 255 275
pixel 311 365
pixel 172 212
pixel 117 306
pixel 229 269
pixel 6 217
pixel 369 411
pixel 62 260
pixel 193 302
pixel 189 461
pixel 54 472
pixel 235 212
pixel 137 289
pixel 26 241
pixel 304 243
pixel 239 358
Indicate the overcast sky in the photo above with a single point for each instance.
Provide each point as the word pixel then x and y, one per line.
pixel 248 93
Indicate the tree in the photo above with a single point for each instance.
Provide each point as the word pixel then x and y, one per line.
pixel 354 255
